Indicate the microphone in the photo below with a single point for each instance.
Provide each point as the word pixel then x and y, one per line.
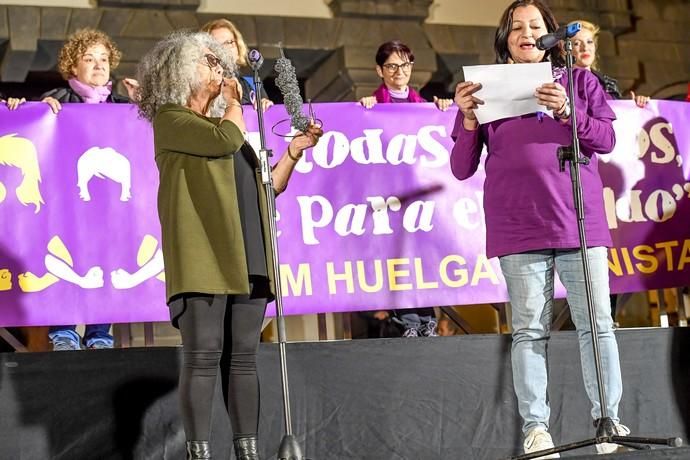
pixel 548 41
pixel 256 60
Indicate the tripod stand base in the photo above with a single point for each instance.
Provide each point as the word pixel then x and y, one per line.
pixel 289 449
pixel 606 434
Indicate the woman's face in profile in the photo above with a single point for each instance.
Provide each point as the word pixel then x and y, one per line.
pixel 396 71
pixel 584 48
pixel 528 26
pixel 210 72
pixel 227 40
pixel 93 67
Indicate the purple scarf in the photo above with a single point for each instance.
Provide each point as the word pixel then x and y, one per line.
pixel 90 94
pixel 383 95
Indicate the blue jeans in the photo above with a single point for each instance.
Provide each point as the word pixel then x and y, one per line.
pixel 530 279
pixel 92 332
pixel 413 318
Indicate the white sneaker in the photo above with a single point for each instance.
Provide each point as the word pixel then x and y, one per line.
pixel 609 447
pixel 539 439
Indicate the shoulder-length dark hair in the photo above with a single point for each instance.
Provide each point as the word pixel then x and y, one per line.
pixel 393 47
pixel 506 25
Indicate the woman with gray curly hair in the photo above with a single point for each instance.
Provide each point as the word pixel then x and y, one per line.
pixel 211 204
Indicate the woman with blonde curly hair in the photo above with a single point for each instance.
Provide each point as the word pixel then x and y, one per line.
pixel 229 36
pixel 214 227
pixel 85 61
pixel 585 54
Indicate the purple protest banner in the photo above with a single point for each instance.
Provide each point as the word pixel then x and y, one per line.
pixel 372 217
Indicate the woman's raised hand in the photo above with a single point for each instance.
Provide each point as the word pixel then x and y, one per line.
pixel 14 102
pixel 231 90
pixel 303 141
pixel 465 99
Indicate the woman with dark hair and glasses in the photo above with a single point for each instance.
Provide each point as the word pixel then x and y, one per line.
pixel 531 225
pixel 394 62
pixel 212 208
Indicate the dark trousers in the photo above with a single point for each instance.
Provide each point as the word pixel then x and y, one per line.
pixel 219 332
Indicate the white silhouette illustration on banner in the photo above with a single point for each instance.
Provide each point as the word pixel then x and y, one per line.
pixel 101 163
pixel 21 153
pixel 60 266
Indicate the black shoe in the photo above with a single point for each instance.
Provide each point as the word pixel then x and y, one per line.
pixel 198 450
pixel 246 448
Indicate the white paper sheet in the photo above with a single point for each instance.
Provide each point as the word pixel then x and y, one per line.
pixel 508 89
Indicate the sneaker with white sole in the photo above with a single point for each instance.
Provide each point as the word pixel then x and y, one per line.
pixel 61 343
pixel 539 439
pixel 411 332
pixel 609 447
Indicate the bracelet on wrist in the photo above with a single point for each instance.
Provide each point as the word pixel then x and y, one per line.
pixel 236 104
pixel 564 112
pixel 292 157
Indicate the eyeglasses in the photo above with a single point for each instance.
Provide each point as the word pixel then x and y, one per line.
pixel 393 68
pixel 212 61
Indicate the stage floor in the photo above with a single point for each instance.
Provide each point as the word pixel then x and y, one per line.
pixel 424 398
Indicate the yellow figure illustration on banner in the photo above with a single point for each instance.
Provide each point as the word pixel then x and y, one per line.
pixel 21 153
pixel 150 262
pixel 5 279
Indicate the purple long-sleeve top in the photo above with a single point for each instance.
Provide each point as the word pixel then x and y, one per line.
pixel 528 202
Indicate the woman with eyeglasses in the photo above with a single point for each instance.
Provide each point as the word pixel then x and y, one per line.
pixel 216 243
pixel 229 36
pixel 394 62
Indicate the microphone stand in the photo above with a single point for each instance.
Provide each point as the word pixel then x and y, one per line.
pixel 605 427
pixel 289 448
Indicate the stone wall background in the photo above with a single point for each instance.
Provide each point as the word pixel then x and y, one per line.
pixel 643 43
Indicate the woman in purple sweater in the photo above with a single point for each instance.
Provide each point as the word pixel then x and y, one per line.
pixel 531 224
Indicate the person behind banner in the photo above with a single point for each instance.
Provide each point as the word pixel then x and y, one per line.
pixel 585 44
pixel 11 102
pixel 85 62
pixel 531 224
pixel 228 35
pixel 215 234
pixel 394 62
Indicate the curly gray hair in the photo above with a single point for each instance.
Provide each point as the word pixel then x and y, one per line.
pixel 167 74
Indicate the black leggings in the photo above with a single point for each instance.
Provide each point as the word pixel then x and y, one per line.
pixel 220 331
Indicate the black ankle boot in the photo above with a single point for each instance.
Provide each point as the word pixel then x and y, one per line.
pixel 246 448
pixel 198 450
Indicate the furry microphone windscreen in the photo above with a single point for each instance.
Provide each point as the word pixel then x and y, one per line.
pixel 287 83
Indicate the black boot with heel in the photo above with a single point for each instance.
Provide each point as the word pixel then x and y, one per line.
pixel 246 448
pixel 198 450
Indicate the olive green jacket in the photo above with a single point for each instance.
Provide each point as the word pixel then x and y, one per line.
pixel 203 246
